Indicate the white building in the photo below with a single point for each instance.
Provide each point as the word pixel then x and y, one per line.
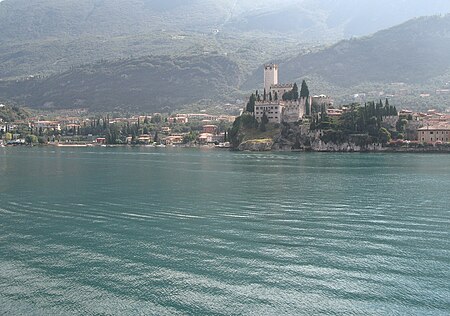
pixel 272 110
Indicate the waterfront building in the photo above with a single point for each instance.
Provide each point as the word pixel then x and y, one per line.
pixel 434 134
pixel 174 140
pixel 145 139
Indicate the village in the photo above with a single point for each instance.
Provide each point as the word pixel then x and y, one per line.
pixel 153 129
pixel 276 104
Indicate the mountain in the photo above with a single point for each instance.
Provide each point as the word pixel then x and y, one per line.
pixel 414 52
pixel 50 49
pixel 43 19
pixel 314 20
pixel 48 36
pixel 145 83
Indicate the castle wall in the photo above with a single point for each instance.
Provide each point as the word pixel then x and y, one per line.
pixel 273 111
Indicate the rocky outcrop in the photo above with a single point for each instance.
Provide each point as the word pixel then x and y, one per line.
pixel 257 145
pixel 320 146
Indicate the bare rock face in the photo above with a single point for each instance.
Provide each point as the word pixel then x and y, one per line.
pixel 320 146
pixel 256 145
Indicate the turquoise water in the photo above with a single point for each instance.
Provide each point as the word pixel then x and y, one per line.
pixel 165 232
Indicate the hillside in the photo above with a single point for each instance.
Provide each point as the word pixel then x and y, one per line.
pixel 24 20
pixel 12 113
pixel 226 39
pixel 145 83
pixel 48 36
pixel 415 53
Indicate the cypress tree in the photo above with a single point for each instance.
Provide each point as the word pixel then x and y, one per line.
pixel 295 92
pixel 304 92
pixel 251 104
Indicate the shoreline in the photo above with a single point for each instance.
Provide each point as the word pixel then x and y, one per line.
pixel 439 150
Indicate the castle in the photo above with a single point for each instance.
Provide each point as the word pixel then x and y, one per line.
pixel 272 104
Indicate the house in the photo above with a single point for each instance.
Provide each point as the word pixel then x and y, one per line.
pixel 47 125
pixel 165 129
pixel 205 138
pixel 100 140
pixel 434 134
pixel 174 140
pixel 210 129
pixel 334 112
pixel 179 119
pixel 145 139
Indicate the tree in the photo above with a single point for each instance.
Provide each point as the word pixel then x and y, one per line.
pixel 251 104
pixel 308 107
pixel 295 92
pixel 264 121
pixel 384 135
pixel 304 92
pixel 291 95
pixel 401 125
pixel 31 139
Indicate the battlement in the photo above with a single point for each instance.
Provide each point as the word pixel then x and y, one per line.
pixel 282 86
pixel 270 66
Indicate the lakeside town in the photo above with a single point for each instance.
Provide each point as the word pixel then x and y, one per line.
pixel 270 112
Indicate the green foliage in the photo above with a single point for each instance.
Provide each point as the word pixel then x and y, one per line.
pixel 31 139
pixel 384 135
pixel 387 56
pixel 357 120
pixel 244 122
pixel 291 95
pixel 148 83
pixel 401 125
pixel 251 103
pixel 304 92
pixel 189 138
pixel 13 113
pixel 264 122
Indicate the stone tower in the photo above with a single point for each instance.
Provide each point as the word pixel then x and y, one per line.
pixel 270 76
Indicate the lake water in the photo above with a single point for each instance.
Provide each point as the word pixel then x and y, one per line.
pixel 206 232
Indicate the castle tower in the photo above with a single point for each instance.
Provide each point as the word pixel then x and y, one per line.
pixel 270 76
